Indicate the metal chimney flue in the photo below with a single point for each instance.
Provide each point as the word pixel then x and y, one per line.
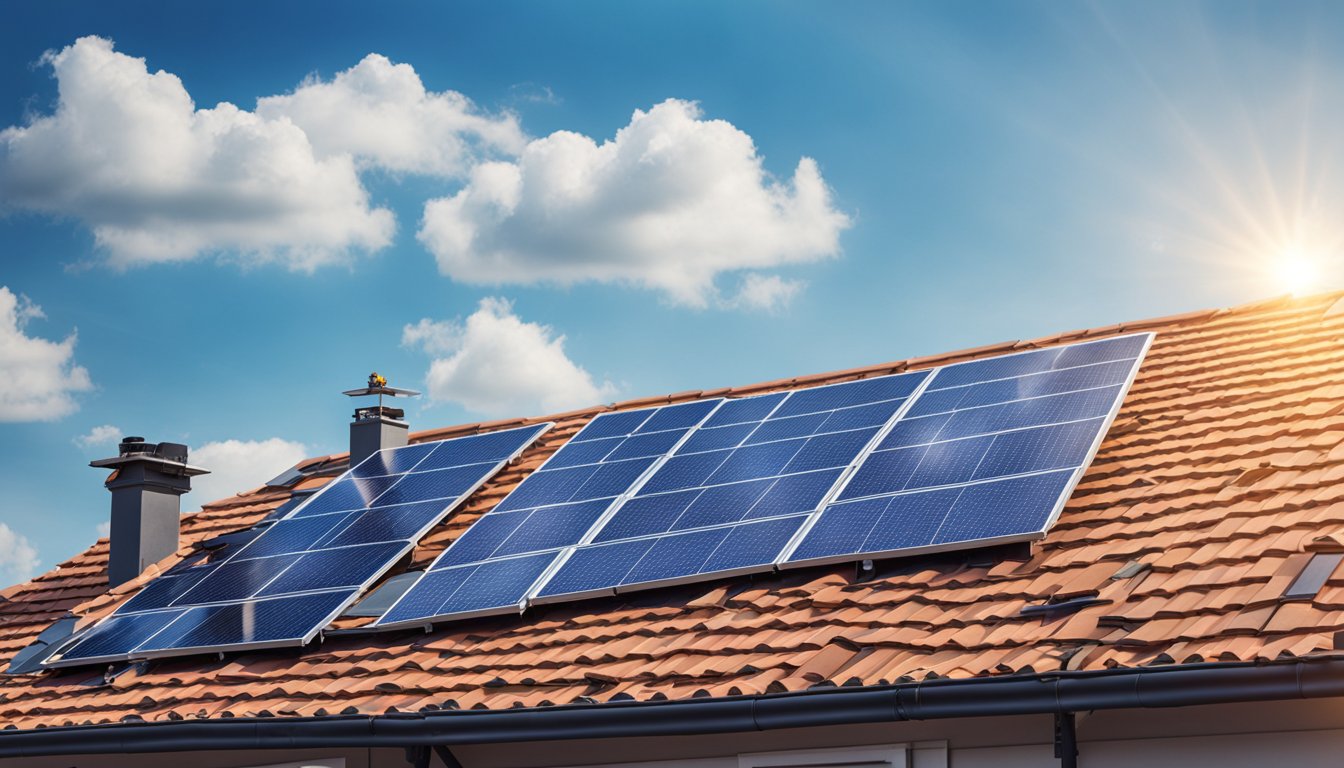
pixel 377 427
pixel 147 485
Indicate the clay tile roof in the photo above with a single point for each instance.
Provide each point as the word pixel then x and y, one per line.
pixel 1221 479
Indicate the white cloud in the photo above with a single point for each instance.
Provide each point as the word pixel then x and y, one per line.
pixel 39 377
pixel 18 557
pixel 380 113
pixel 104 528
pixel 670 203
pixel 495 364
pixel 127 153
pixel 100 435
pixel 770 293
pixel 240 465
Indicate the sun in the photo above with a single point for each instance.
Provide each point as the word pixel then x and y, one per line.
pixel 1298 271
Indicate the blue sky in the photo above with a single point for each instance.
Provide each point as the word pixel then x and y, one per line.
pixel 806 186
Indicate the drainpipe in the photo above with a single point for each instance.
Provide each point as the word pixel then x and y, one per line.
pixel 1066 740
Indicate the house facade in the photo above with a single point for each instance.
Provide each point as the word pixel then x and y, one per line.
pixel 1185 609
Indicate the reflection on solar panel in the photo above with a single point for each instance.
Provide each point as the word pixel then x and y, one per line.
pixel 303 570
pixel 492 567
pixel 735 493
pixel 988 453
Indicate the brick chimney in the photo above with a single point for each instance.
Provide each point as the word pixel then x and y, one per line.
pixel 146 486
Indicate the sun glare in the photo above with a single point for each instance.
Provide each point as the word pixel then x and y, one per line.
pixel 1298 272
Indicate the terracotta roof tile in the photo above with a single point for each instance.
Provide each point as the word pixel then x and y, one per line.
pixel 1221 475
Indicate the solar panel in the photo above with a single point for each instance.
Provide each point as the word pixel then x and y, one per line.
pixel 970 454
pixel 988 453
pixel 491 569
pixel 300 572
pixel 737 490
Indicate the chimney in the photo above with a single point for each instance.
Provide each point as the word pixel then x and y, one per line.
pixel 377 427
pixel 146 486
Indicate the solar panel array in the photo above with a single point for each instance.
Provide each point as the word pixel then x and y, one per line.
pixel 989 452
pixel 735 493
pixel 970 454
pixel 492 567
pixel 303 570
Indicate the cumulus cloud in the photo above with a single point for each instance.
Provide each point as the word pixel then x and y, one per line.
pixel 670 203
pixel 40 376
pixel 104 528
pixel 240 465
pixel 770 293
pixel 18 557
pixel 103 434
pixel 127 152
pixel 380 113
pixel 495 364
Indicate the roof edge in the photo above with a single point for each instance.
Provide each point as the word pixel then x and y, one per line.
pixel 1173 686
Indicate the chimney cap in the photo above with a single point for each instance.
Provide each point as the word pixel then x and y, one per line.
pixel 170 458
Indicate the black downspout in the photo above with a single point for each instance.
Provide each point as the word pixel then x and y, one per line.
pixel 418 757
pixel 1066 740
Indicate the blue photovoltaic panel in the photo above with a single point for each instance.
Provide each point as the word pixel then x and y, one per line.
pixel 965 455
pixel 213 627
pixel 492 567
pixel 302 570
pixel 988 452
pixel 737 490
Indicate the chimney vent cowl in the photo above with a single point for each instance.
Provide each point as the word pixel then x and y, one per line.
pixel 377 427
pixel 146 484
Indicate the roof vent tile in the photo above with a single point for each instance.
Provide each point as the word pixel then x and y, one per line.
pixel 1309 582
pixel 1131 569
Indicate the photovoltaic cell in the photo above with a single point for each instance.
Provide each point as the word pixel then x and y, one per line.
pixel 300 571
pixel 492 567
pixel 988 452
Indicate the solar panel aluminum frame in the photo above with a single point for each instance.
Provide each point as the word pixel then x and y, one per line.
pixel 355 591
pixel 545 427
pixel 137 655
pixel 507 610
pixel 784 563
pixel 836 488
pixel 546 574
